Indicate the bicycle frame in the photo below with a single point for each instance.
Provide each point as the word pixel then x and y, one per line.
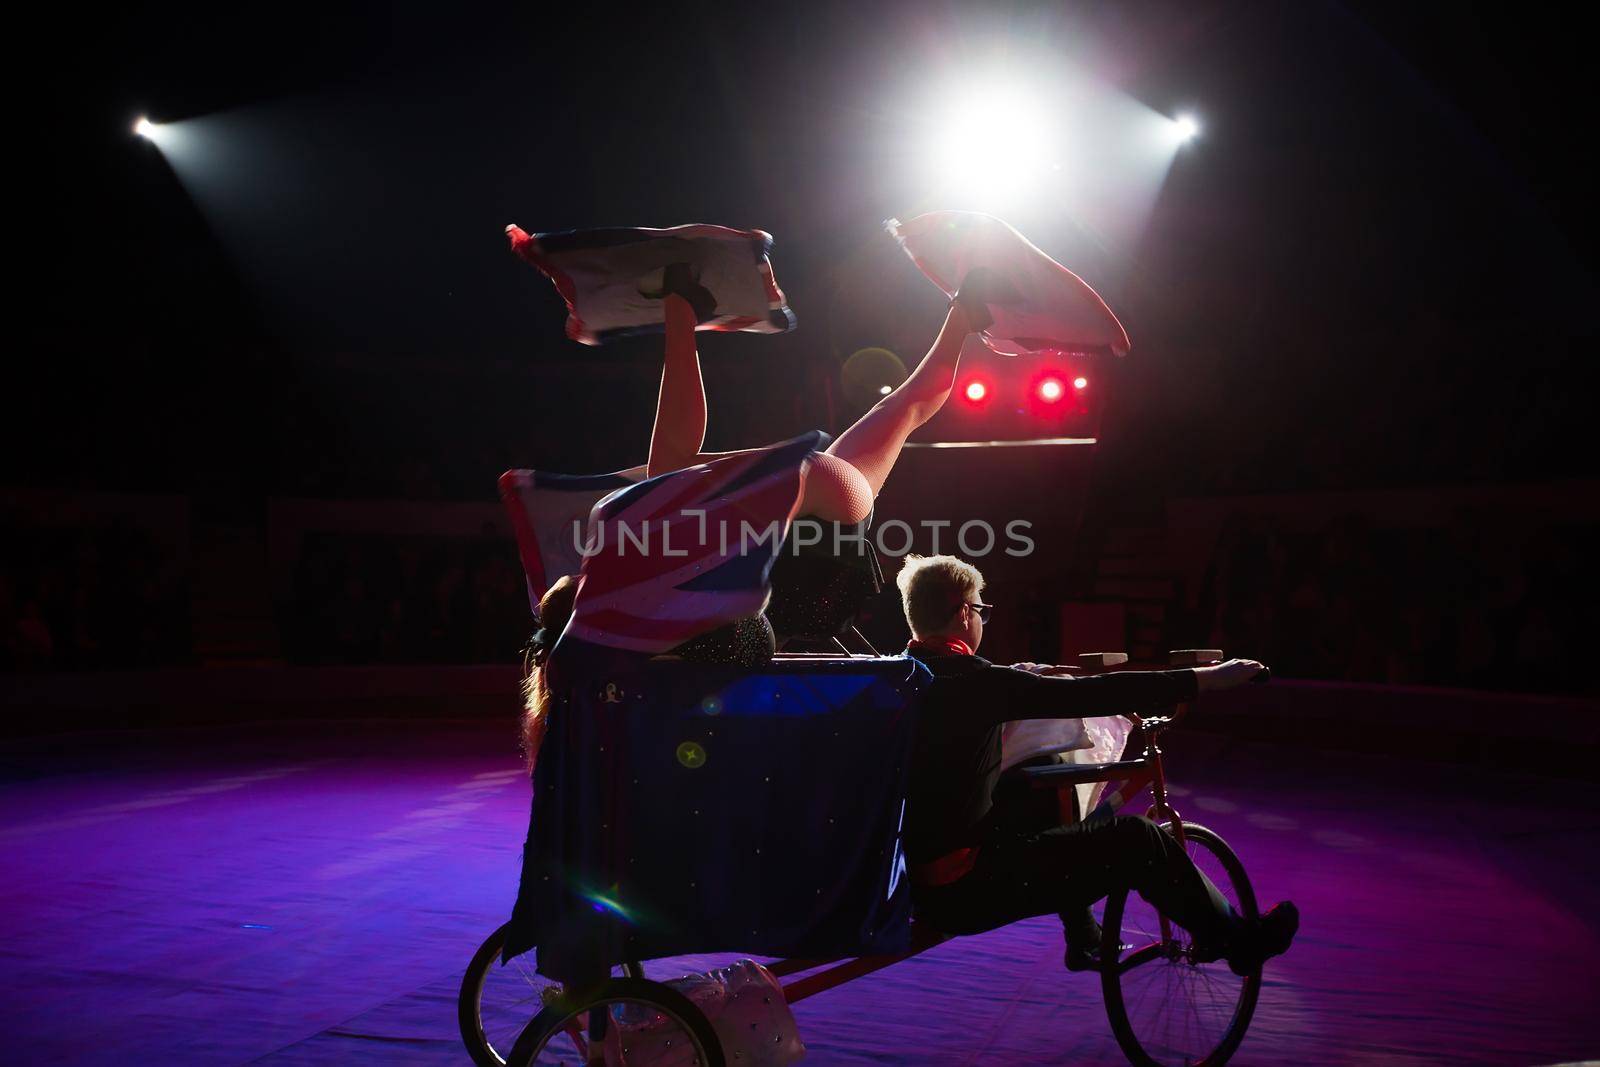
pixel 1161 809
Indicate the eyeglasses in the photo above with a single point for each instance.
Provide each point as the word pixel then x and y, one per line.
pixel 983 610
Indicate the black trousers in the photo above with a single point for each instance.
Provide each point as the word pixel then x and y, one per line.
pixel 1065 869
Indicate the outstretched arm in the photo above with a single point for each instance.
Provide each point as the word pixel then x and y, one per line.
pixel 1004 694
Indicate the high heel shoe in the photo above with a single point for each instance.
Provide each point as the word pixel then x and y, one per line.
pixel 680 279
pixel 980 288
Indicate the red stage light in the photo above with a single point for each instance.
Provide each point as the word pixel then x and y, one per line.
pixel 1051 389
pixel 1080 383
pixel 976 391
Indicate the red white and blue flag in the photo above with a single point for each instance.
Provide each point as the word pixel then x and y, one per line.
pixel 1057 309
pixel 666 559
pixel 604 275
pixel 549 513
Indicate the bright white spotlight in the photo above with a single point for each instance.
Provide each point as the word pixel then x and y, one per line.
pixel 885 390
pixel 1185 128
pixel 145 128
pixel 994 143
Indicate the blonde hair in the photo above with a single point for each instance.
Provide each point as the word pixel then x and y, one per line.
pixel 555 608
pixel 932 588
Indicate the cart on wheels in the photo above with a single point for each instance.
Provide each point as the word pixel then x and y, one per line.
pixel 680 813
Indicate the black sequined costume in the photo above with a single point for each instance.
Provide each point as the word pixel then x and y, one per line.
pixel 746 642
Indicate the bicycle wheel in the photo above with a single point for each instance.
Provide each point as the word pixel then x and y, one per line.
pixel 497 1001
pixel 1164 1007
pixel 630 1020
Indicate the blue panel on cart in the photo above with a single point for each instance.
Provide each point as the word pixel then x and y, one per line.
pixel 788 695
pixel 691 808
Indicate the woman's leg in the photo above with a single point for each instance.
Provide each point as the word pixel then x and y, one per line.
pixel 873 444
pixel 844 483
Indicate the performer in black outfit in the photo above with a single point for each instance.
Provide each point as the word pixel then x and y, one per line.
pixel 969 872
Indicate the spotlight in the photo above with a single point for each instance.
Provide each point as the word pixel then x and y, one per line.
pixel 885 390
pixel 1051 389
pixel 987 112
pixel 1080 383
pixel 1185 128
pixel 145 128
pixel 976 391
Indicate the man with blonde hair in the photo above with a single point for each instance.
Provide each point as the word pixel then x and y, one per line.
pixel 970 872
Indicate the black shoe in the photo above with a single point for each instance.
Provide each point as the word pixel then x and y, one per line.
pixel 1083 952
pixel 1266 937
pixel 980 288
pixel 1083 959
pixel 1088 959
pixel 680 278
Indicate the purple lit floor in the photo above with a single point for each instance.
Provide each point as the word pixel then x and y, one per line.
pixel 310 895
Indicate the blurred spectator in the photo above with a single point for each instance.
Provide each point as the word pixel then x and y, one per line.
pixel 87 598
pixel 363 598
pixel 1411 606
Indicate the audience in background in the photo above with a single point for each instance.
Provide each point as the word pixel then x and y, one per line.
pixel 1412 606
pixel 1451 605
pixel 361 598
pixel 89 597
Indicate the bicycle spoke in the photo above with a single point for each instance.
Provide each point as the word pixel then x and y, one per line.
pixel 1188 1011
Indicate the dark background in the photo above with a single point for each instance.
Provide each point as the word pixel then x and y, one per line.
pixel 1373 270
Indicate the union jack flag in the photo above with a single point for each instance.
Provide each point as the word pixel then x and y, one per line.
pixel 549 513
pixel 599 274
pixel 672 557
pixel 1056 310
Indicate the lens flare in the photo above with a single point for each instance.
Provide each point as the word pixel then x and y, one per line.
pixel 976 391
pixel 1051 389
pixel 601 903
pixel 1080 383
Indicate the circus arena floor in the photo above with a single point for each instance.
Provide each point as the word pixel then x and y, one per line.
pixel 311 893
